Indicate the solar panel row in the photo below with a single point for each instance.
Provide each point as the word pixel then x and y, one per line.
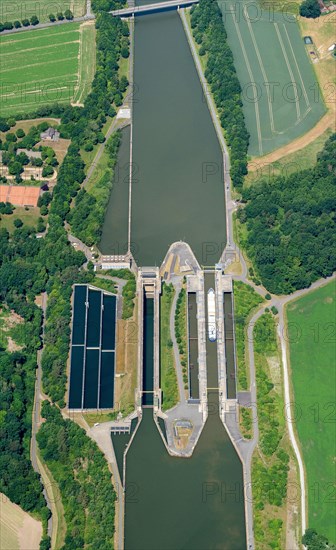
pixel 92 349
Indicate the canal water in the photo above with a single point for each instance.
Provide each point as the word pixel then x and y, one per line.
pixel 192 503
pixel 177 183
pixel 177 194
pixel 114 239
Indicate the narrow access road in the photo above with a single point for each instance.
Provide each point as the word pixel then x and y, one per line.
pixel 36 419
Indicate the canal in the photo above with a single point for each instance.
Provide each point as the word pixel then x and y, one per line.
pixel 192 503
pixel 177 183
pixel 177 194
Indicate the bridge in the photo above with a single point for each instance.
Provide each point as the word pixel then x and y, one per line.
pixel 150 8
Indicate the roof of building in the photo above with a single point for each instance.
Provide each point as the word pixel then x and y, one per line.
pixel 50 132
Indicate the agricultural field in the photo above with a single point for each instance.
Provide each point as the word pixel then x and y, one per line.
pixel 18 530
pixel 312 346
pixel 280 92
pixel 43 66
pixel 288 164
pixel 11 10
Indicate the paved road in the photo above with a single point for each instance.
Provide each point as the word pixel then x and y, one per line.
pixel 81 246
pixel 36 420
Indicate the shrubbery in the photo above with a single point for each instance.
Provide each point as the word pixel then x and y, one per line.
pixel 208 29
pixel 291 225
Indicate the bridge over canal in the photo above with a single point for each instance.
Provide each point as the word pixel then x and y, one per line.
pixel 131 11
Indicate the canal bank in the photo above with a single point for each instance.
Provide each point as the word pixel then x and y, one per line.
pixel 177 160
pixel 184 503
pixel 177 194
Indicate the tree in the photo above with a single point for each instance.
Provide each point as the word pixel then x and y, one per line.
pixel 310 8
pixel 25 22
pixel 11 138
pixel 52 17
pixel 60 16
pixel 47 171
pixel 44 210
pixel 15 168
pixel 313 541
pixel 34 20
pixel 68 15
pixel 20 133
pixel 4 126
pixel 17 24
pixel 18 223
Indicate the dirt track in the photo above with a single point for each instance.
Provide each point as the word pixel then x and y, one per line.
pixel 328 121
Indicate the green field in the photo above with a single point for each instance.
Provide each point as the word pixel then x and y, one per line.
pixel 279 88
pixel 312 357
pixel 167 362
pixel 294 162
pixel 10 10
pixel 40 67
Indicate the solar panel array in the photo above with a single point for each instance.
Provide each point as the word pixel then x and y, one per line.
pixel 92 349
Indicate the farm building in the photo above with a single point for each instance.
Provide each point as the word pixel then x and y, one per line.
pixel 51 135
pixel 20 195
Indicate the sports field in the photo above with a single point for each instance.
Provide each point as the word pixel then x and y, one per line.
pixel 43 66
pixel 312 358
pixel 11 10
pixel 280 91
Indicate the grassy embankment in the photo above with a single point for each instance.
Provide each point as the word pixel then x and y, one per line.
pixel 88 156
pixel 181 333
pixel 167 363
pixel 272 466
pixel 246 301
pixel 311 327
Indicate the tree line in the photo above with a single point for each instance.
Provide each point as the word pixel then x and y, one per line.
pixel 82 473
pixel 209 32
pixel 29 266
pixel 290 221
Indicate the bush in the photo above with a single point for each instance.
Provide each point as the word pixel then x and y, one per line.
pixel 20 133
pixel 310 9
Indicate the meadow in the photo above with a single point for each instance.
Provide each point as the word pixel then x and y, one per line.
pixel 279 88
pixel 11 10
pixel 312 345
pixel 17 528
pixel 44 66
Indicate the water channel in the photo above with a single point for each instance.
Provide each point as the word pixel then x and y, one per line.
pixel 177 194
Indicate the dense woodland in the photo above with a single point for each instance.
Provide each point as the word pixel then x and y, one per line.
pixel 209 32
pixel 29 266
pixel 87 217
pixel 291 226
pixel 82 473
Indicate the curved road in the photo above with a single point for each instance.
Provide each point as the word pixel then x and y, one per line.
pixel 36 414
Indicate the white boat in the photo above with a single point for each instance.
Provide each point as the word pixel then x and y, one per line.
pixel 212 331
